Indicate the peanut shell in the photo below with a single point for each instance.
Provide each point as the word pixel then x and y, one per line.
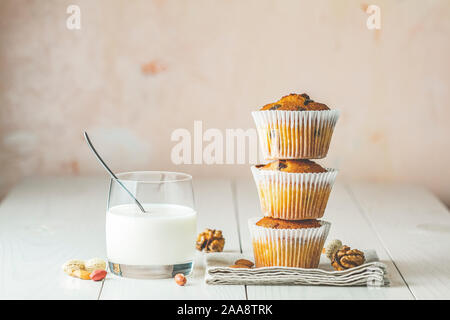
pixel 95 264
pixel 72 265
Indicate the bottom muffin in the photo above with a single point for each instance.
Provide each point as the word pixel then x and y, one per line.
pixel 284 243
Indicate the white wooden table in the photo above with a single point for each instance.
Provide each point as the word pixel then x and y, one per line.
pixel 46 221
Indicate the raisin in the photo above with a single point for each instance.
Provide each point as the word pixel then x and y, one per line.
pixel 304 95
pixel 316 132
pixel 282 165
pixel 275 107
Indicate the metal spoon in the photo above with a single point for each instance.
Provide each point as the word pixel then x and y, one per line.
pixel 110 172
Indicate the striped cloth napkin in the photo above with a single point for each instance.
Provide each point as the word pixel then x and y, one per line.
pixel 372 274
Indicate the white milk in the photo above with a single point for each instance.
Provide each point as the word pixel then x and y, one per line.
pixel 164 235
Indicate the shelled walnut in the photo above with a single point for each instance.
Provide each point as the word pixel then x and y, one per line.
pixel 210 240
pixel 343 257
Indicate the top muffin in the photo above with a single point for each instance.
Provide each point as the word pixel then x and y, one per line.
pixel 294 165
pixel 295 102
pixel 273 223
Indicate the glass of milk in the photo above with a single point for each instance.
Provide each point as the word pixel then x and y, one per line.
pixel 160 242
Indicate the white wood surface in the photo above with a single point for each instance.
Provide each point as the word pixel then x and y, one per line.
pixel 46 221
pixel 415 228
pixel 43 223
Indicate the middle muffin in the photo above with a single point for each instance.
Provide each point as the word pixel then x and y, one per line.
pixel 293 189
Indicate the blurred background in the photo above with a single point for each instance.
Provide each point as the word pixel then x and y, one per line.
pixel 137 70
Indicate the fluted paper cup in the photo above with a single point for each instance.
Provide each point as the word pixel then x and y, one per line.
pixel 295 134
pixel 293 196
pixel 300 248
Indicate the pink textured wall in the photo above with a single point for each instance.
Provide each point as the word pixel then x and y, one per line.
pixel 139 69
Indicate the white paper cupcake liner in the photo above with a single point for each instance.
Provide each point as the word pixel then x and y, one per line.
pixel 299 248
pixel 295 134
pixel 293 196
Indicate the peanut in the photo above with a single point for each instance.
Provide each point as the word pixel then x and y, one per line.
pixel 95 264
pixel 98 274
pixel 180 279
pixel 82 274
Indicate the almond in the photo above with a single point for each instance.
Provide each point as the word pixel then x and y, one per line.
pixel 238 266
pixel 244 262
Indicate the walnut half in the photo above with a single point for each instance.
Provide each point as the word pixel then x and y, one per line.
pixel 346 258
pixel 210 240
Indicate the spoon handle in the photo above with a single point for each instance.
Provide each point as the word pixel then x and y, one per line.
pixel 110 172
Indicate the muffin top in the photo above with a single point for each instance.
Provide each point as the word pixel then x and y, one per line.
pixel 273 223
pixel 296 102
pixel 295 166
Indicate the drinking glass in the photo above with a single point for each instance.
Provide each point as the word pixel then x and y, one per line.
pixel 160 242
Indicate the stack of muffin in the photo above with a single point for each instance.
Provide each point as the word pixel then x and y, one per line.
pixel 293 190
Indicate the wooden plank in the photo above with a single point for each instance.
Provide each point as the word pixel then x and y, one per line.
pixel 347 224
pixel 414 226
pixel 43 223
pixel 215 209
